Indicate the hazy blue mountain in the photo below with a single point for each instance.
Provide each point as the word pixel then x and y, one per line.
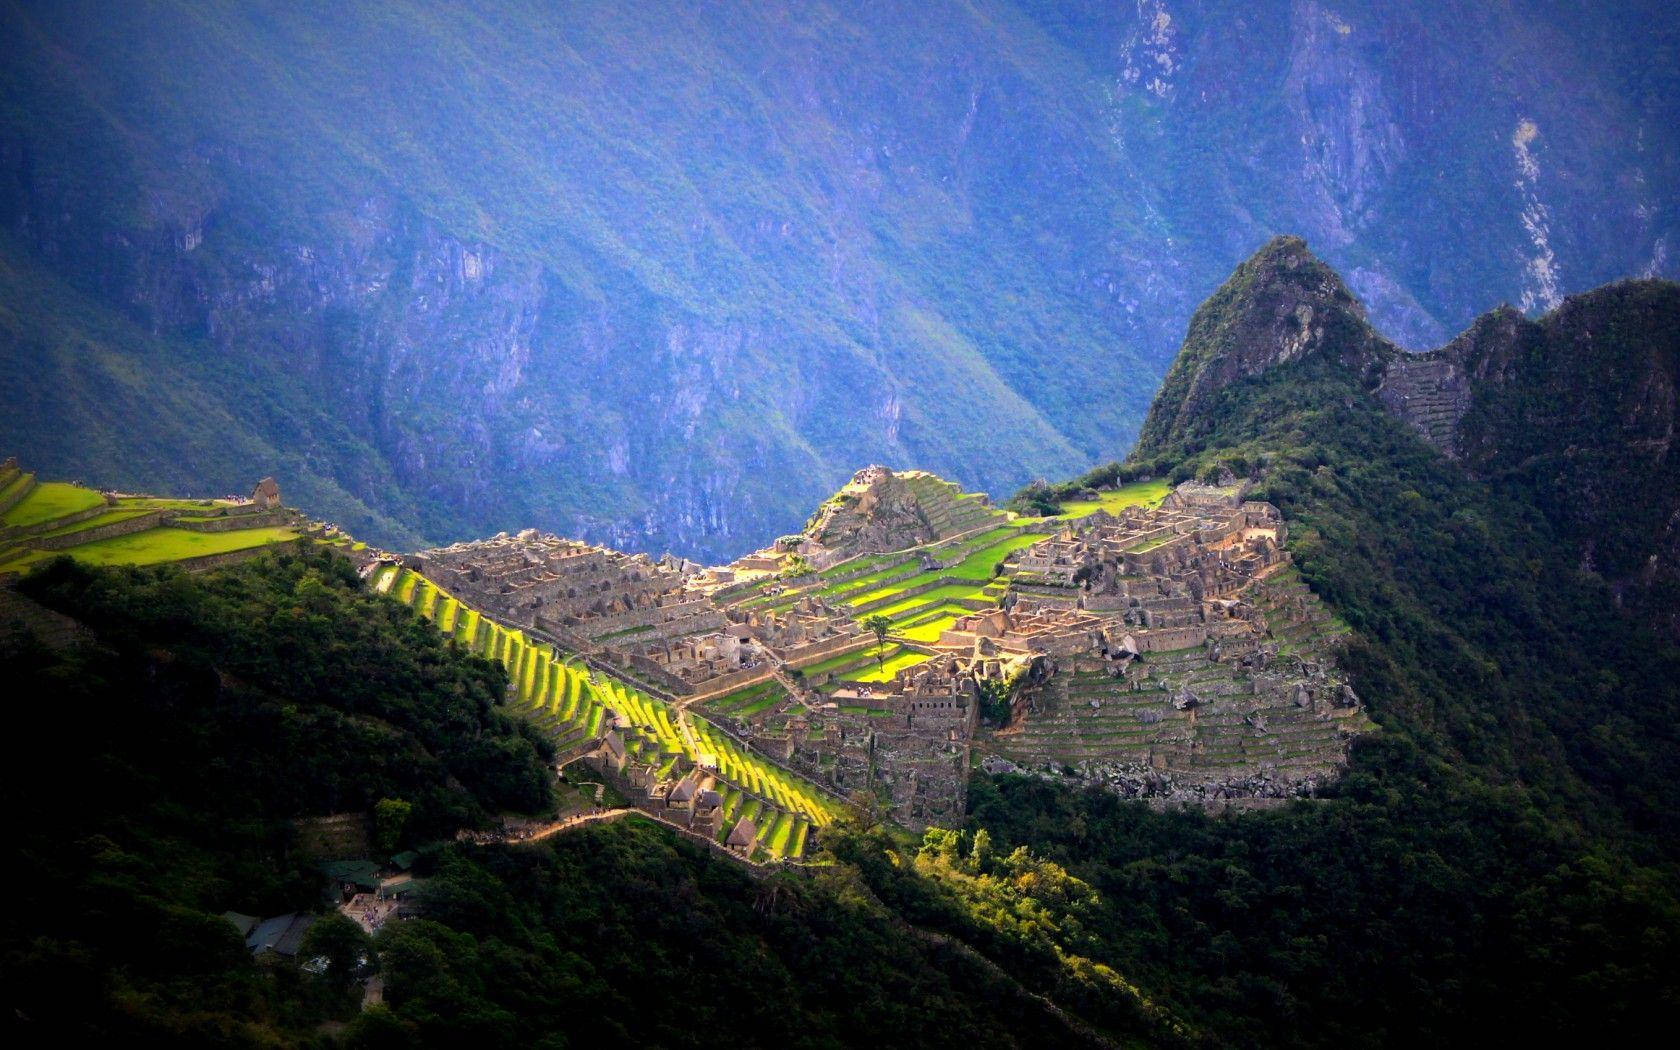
pixel 664 274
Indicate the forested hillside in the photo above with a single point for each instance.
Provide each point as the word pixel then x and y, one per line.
pixel 160 750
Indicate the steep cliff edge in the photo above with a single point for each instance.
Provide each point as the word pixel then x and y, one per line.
pixel 1577 413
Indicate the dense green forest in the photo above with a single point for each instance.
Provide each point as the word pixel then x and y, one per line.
pixel 152 770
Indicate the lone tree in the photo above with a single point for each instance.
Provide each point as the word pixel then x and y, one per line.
pixel 880 625
pixel 390 816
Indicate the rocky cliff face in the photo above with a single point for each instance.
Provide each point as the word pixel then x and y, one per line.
pixel 665 279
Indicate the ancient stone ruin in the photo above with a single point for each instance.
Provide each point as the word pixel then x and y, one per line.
pixel 1171 652
pixel 1209 673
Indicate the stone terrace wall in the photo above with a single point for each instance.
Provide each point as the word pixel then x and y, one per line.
pixel 126 527
pixel 13 498
pixel 236 522
pixel 1432 393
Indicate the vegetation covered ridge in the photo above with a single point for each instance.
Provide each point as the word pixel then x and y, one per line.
pixel 219 712
pixel 1509 838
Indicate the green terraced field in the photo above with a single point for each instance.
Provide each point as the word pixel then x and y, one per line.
pixel 936 596
pixel 929 629
pixel 895 588
pixel 1139 493
pixel 552 693
pixel 730 702
pixel 167 503
pixel 757 706
pixel 572 702
pixel 52 499
pixel 842 660
pixel 888 669
pixel 155 546
pixel 867 581
pixel 981 565
pixel 855 565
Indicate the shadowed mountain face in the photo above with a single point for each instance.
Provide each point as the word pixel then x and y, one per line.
pixel 664 275
pixel 1574 414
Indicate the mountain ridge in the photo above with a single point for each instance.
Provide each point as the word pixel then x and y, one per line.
pixel 965 238
pixel 1503 400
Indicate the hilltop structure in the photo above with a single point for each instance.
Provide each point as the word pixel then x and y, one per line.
pixel 41 520
pixel 1156 641
pixel 1159 644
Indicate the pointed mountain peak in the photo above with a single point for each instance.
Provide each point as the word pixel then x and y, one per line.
pixel 1281 305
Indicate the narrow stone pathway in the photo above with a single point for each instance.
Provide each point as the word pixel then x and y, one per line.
pixel 571 822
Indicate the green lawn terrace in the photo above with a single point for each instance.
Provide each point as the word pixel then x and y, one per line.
pixel 915 587
pixel 33 503
pixel 971 557
pixel 749 701
pixel 975 568
pixel 886 665
pixel 870 666
pixel 41 520
pixel 836 667
pixel 925 627
pixel 578 705
pixel 1136 494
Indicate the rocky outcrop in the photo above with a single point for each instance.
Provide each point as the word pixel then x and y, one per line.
pixel 1282 305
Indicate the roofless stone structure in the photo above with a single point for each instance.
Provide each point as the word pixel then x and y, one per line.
pixel 1169 651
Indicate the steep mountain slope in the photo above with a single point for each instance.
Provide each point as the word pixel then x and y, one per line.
pixel 1498 862
pixel 1463 881
pixel 665 276
pixel 216 709
pixel 1281 305
pixel 1573 415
